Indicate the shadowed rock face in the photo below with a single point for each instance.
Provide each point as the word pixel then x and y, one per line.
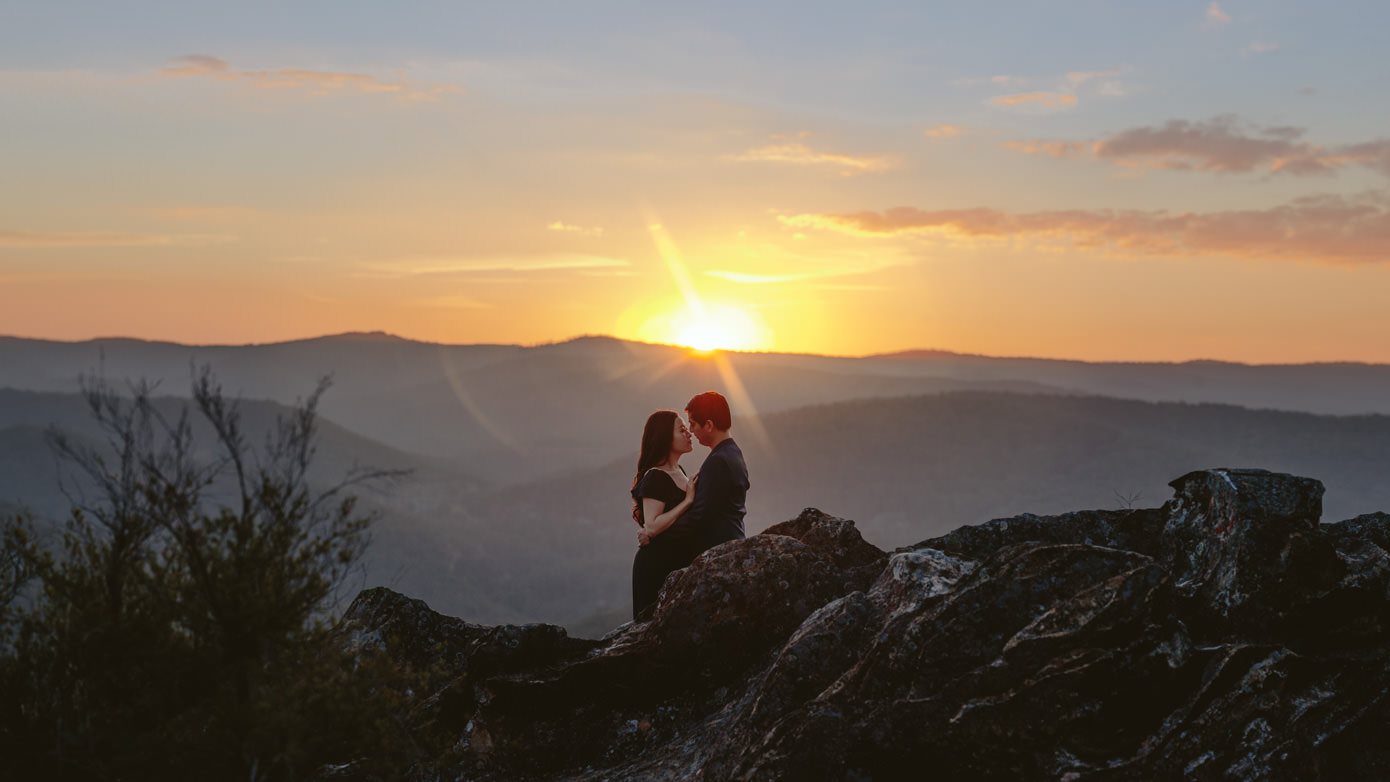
pixel 1226 635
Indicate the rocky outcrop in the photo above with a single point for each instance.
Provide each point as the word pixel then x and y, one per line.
pixel 1225 635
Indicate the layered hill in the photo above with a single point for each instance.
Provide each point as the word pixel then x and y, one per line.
pixel 558 548
pixel 505 413
pixel 502 413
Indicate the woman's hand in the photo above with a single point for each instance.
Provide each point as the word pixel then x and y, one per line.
pixel 690 489
pixel 643 538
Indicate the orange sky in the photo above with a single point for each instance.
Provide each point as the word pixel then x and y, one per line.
pixel 830 186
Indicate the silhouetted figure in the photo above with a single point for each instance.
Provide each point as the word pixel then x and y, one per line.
pixel 717 513
pixel 661 493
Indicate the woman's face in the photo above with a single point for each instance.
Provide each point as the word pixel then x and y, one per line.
pixel 680 438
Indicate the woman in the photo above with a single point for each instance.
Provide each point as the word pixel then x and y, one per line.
pixel 661 492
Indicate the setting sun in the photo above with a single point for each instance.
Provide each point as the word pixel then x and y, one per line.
pixel 721 328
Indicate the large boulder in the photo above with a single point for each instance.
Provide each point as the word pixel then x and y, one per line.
pixel 1225 635
pixel 1244 546
pixel 739 599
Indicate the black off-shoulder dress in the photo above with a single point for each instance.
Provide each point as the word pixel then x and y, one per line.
pixel 666 552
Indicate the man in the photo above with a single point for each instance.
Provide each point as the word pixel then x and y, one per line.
pixel 716 514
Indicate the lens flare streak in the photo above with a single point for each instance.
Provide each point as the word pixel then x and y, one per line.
pixel 708 331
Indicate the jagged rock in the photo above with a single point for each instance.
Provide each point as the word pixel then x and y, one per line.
pixel 412 633
pixel 1245 547
pixel 450 655
pixel 1373 528
pixel 1134 530
pixel 1226 635
pixel 838 539
pixel 379 618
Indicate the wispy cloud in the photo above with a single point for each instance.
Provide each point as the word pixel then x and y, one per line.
pixel 1045 99
pixel 1001 80
pixel 1216 15
pixel 105 239
pixel 560 225
pixel 1057 149
pixel 197 213
pixel 1105 82
pixel 606 271
pixel 453 303
pixel 309 82
pixel 1081 77
pixel 416 266
pixel 1064 92
pixel 797 153
pixel 1259 47
pixel 848 268
pixel 851 287
pixel 945 131
pixel 758 279
pixel 1222 144
pixel 196 65
pixel 1321 229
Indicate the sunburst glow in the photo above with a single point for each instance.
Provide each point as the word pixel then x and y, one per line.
pixel 719 328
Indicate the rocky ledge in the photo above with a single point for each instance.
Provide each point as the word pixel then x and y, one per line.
pixel 1225 635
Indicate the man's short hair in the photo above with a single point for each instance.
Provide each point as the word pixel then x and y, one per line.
pixel 710 406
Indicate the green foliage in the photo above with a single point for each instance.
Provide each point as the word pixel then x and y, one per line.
pixel 180 627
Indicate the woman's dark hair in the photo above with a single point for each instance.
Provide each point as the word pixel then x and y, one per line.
pixel 657 436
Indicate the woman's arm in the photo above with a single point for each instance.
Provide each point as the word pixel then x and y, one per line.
pixel 656 524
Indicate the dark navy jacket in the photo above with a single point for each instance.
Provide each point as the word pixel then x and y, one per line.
pixel 716 515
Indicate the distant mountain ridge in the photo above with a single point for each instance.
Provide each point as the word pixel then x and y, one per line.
pixel 502 412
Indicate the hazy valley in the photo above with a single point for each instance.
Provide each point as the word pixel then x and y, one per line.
pixel 516 508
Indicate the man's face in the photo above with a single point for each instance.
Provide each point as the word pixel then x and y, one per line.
pixel 703 432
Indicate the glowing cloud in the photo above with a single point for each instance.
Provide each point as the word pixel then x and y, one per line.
pixel 574 229
pixel 757 279
pixel 410 267
pixel 1322 229
pixel 944 131
pixel 1102 82
pixel 1081 77
pixel 1223 144
pixel 1047 99
pixel 800 154
pixel 1001 80
pixel 196 65
pixel 1056 149
pixel 316 83
pixel 1216 15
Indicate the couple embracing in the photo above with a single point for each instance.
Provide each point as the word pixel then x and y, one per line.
pixel 681 516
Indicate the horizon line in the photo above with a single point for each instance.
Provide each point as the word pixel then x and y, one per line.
pixel 904 354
